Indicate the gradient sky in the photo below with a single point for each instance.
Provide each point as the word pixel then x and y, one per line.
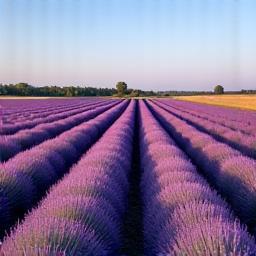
pixel 150 44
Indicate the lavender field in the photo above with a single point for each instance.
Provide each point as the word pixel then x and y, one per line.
pixel 103 176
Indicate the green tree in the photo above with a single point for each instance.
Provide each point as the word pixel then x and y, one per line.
pixel 135 93
pixel 121 88
pixel 24 89
pixel 218 89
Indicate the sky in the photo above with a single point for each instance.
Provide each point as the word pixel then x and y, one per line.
pixel 149 44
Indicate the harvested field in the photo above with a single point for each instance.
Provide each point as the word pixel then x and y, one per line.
pixel 235 101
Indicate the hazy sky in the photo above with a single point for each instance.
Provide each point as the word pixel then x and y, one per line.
pixel 150 44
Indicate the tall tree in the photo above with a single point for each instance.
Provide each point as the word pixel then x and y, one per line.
pixel 218 89
pixel 121 88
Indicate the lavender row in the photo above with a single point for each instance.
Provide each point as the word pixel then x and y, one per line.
pixel 32 115
pixel 197 110
pixel 233 174
pixel 10 145
pixel 182 214
pixel 240 141
pixel 238 115
pixel 27 124
pixel 242 120
pixel 18 120
pixel 82 214
pixel 54 108
pixel 19 107
pixel 11 129
pixel 27 176
pixel 20 111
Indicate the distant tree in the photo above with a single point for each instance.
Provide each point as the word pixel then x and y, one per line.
pixel 218 89
pixel 24 89
pixel 121 88
pixel 135 93
pixel 3 90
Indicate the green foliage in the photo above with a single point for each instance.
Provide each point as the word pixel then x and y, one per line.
pixel 23 89
pixel 218 89
pixel 135 93
pixel 121 88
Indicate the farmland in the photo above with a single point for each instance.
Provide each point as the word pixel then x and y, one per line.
pixel 103 176
pixel 235 101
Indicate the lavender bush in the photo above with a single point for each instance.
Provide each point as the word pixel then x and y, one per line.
pixel 82 214
pixel 27 176
pixel 27 138
pixel 244 142
pixel 233 178
pixel 182 214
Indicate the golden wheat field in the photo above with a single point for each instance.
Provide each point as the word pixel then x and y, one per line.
pixel 235 101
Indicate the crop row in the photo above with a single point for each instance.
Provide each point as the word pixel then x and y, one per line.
pixel 26 107
pixel 227 169
pixel 245 126
pixel 244 121
pixel 13 128
pixel 236 139
pixel 25 178
pixel 82 214
pixel 30 120
pixel 192 187
pixel 10 145
pixel 42 113
pixel 182 214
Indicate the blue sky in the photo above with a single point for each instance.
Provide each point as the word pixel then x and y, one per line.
pixel 150 44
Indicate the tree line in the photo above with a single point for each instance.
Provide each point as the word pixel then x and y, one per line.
pixel 24 89
pixel 121 90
